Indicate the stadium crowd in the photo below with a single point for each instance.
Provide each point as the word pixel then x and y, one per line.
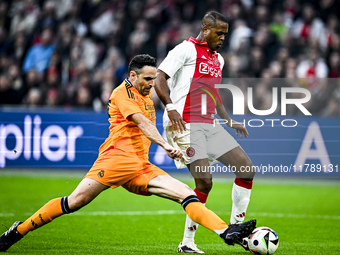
pixel 73 53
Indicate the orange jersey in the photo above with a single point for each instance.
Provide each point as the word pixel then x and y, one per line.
pixel 124 156
pixel 125 136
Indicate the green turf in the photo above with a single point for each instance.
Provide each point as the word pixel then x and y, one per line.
pixel 306 216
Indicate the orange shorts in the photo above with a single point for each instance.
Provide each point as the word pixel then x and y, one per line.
pixel 116 169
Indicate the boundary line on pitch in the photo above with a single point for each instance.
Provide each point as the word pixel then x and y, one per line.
pixel 180 212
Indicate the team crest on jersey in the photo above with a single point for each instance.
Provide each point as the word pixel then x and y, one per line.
pixel 215 60
pixel 101 173
pixel 190 152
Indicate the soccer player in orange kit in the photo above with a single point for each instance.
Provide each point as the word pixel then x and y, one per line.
pixel 123 161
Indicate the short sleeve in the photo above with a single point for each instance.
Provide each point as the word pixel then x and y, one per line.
pixel 221 60
pixel 126 103
pixel 177 58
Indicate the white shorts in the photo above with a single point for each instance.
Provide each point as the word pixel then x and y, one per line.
pixel 200 141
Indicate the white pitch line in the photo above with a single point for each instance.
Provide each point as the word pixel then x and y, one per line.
pixel 295 216
pixel 127 213
pixel 108 213
pixel 180 212
pixel 7 214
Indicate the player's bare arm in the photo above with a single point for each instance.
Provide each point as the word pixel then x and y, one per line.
pixel 222 112
pixel 163 93
pixel 162 88
pixel 151 132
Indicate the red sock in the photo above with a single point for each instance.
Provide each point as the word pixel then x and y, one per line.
pixel 243 183
pixel 201 196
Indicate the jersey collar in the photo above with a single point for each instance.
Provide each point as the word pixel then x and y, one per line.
pixel 204 43
pixel 127 81
pixel 132 87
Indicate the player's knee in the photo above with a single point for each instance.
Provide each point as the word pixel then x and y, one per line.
pixel 243 157
pixel 204 185
pixel 77 202
pixel 186 191
pixel 251 173
pixel 246 172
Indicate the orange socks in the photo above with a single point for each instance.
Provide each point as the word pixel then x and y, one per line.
pixel 44 215
pixel 203 216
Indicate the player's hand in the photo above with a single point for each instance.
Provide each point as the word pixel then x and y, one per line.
pixel 240 129
pixel 177 121
pixel 172 152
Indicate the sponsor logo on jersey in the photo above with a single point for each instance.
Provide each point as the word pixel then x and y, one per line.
pixel 216 62
pixel 204 68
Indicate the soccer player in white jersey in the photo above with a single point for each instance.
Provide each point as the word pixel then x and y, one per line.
pixel 189 71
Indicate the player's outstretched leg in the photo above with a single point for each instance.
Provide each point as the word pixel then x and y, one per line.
pixel 168 187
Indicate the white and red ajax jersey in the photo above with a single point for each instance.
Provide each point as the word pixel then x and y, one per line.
pixel 194 69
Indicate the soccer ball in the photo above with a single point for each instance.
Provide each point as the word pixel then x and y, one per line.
pixel 263 240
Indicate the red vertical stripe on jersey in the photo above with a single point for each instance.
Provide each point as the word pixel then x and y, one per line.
pixel 207 74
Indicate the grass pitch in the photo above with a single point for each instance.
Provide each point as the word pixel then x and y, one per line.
pixel 305 215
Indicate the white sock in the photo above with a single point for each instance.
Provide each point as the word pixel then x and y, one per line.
pixel 189 230
pixel 241 198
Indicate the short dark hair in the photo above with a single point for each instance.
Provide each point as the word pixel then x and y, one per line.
pixel 139 61
pixel 210 18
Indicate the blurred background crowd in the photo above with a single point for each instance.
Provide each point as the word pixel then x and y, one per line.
pixel 73 53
